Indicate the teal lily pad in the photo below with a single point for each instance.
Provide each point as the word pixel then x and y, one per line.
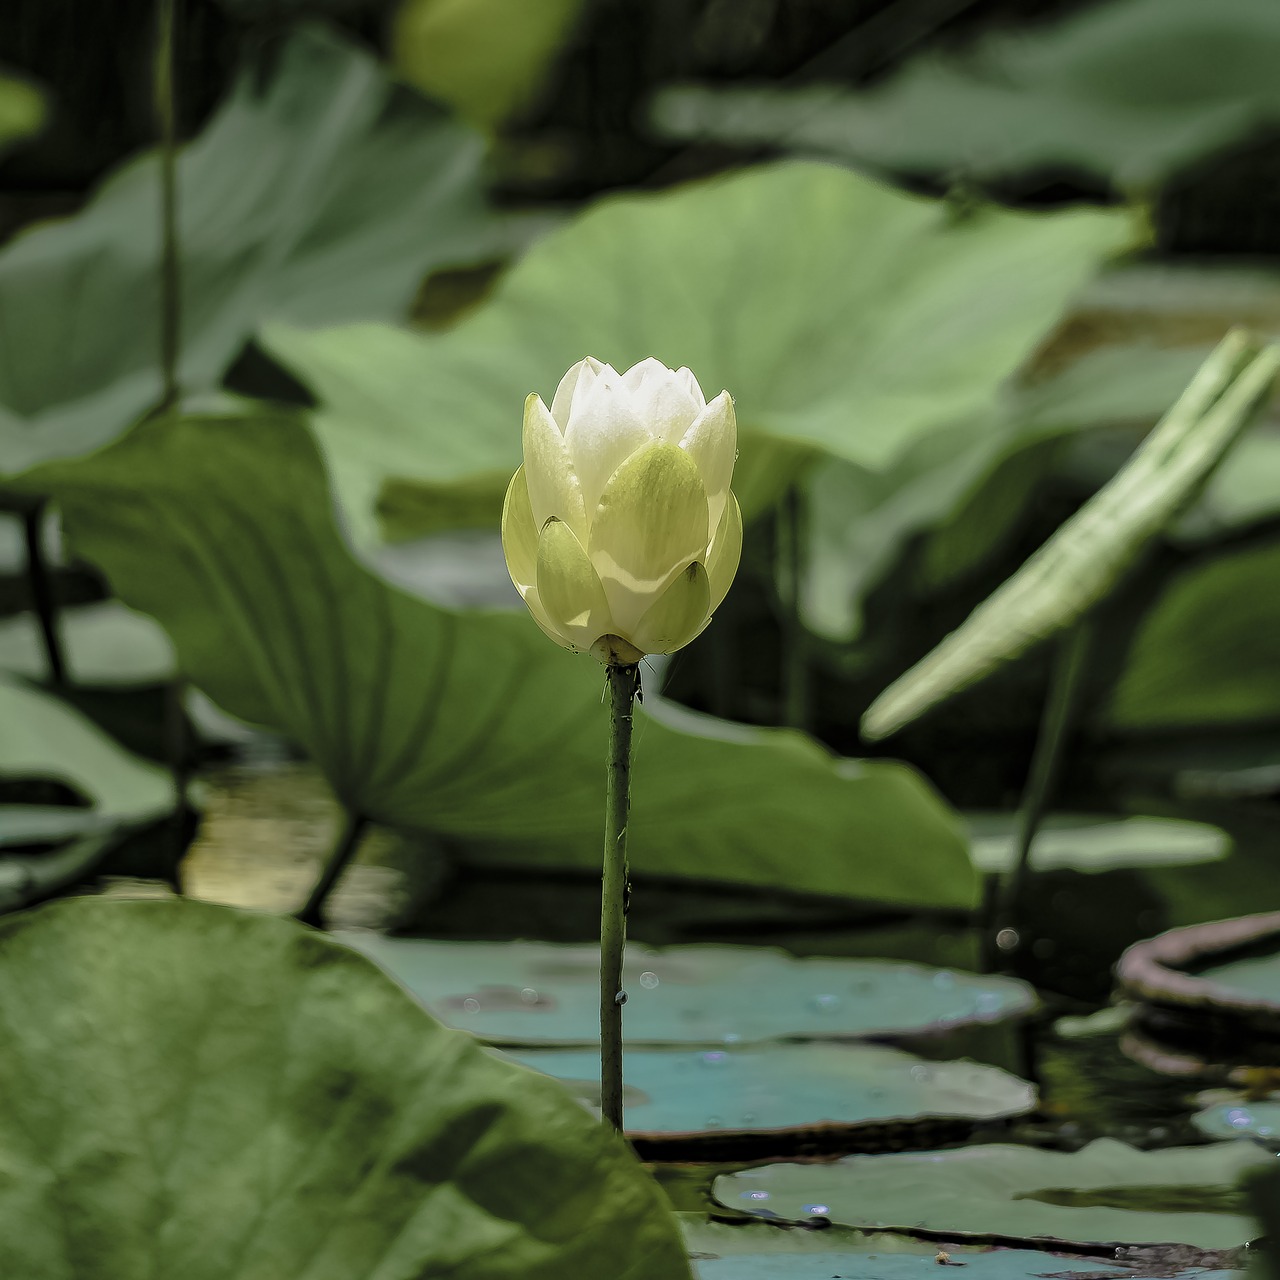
pixel 201 1092
pixel 1105 1192
pixel 1095 842
pixel 540 993
pixel 1240 1117
pixel 355 190
pixel 847 1089
pixel 724 1251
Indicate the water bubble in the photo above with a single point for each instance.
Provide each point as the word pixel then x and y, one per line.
pixel 824 1003
pixel 817 1208
pixel 649 980
pixel 714 1058
pixel 620 998
pixel 1238 1118
pixel 1264 1130
pixel 987 1002
pixel 471 1005
pixel 528 995
pixel 716 1122
pixel 731 1037
pixel 754 1195
pixel 748 1117
pixel 944 980
pixel 1008 939
pixel 921 1073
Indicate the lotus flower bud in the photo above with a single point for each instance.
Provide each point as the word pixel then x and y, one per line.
pixel 620 529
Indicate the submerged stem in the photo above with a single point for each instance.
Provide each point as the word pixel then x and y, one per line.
pixel 166 120
pixel 42 596
pixel 789 575
pixel 1046 760
pixel 623 682
pixel 344 849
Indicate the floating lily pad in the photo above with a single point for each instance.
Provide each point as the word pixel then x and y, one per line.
pixel 1095 842
pixel 1105 1192
pixel 1224 974
pixel 1240 1118
pixel 200 1092
pixel 859 1096
pixel 539 993
pixel 743 1251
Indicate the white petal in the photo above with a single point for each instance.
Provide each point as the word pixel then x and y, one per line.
pixel 685 374
pixel 638 374
pixel 568 384
pixel 603 432
pixel 712 442
pixel 663 403
pixel 554 489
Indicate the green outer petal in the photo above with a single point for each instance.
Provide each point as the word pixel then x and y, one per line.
pixel 548 470
pixel 712 442
pixel 726 551
pixel 569 591
pixel 519 533
pixel 651 524
pixel 677 615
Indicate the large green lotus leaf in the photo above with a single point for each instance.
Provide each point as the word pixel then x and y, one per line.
pixel 322 197
pixel 1104 1192
pixel 718 1093
pixel 535 993
pixel 1094 842
pixel 472 726
pixel 1131 91
pixel 744 1251
pixel 201 1092
pixel 843 316
pixel 1206 653
pixel 41 737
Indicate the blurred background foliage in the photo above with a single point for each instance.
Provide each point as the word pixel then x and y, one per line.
pixel 953 258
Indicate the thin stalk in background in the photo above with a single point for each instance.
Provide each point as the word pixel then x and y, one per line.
pixel 623 683
pixel 170 270
pixel 345 847
pixel 42 597
pixel 788 575
pixel 1056 722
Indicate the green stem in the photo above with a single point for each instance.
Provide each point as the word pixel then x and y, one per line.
pixel 42 598
pixel 623 681
pixel 1046 760
pixel 170 281
pixel 344 849
pixel 788 572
